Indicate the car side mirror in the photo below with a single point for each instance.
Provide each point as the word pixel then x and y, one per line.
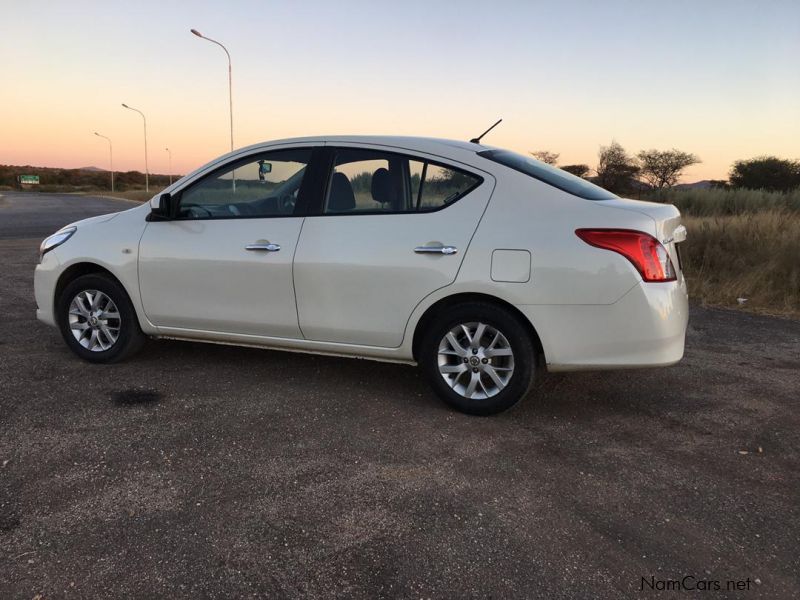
pixel 161 209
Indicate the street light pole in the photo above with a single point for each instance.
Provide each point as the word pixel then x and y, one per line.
pixel 230 78
pixel 146 170
pixel 170 165
pixel 110 158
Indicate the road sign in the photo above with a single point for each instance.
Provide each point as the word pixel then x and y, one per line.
pixel 28 179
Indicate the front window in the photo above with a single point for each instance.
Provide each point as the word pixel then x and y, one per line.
pixel 262 186
pixel 548 174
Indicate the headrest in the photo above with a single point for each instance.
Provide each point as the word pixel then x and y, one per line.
pixel 382 188
pixel 341 197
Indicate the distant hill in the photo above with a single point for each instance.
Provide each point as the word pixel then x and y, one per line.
pixel 697 185
pixel 705 184
pixel 84 179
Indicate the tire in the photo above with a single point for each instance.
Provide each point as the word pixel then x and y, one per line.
pixel 87 306
pixel 511 357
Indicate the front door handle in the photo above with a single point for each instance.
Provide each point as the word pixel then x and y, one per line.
pixel 263 247
pixel 436 250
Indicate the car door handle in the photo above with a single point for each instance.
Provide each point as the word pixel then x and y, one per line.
pixel 436 250
pixel 263 247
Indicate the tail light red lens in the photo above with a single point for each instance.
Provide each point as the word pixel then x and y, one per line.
pixel 644 251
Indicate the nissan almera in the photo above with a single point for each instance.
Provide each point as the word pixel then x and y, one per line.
pixel 480 265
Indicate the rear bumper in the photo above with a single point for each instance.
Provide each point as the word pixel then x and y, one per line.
pixel 644 328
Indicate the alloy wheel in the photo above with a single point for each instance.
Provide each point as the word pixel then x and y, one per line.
pixel 94 320
pixel 476 360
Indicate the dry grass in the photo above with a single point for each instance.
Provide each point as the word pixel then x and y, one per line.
pixel 752 255
pixel 719 202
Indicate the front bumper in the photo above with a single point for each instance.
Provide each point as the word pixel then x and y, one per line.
pixel 45 278
pixel 644 328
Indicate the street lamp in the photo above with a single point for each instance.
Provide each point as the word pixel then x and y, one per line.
pixel 230 80
pixel 170 165
pixel 146 171
pixel 110 158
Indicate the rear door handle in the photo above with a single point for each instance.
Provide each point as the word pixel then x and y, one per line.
pixel 436 250
pixel 263 247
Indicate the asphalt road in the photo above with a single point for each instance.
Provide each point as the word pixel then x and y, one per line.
pixel 32 215
pixel 201 471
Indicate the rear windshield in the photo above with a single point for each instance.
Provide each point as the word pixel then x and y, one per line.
pixel 550 175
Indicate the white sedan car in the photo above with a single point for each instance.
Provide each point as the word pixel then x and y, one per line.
pixel 479 264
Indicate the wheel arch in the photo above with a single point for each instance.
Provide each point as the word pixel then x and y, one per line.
pixel 80 269
pixel 435 309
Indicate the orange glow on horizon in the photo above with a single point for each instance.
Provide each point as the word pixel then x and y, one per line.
pixel 567 90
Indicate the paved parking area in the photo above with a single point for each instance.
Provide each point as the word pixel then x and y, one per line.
pixel 200 471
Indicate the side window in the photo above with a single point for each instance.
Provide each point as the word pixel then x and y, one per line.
pixel 266 185
pixel 369 181
pixel 441 186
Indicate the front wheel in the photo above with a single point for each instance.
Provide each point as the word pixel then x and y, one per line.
pixel 97 319
pixel 479 358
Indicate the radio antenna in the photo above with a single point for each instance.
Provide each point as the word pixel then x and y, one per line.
pixel 477 140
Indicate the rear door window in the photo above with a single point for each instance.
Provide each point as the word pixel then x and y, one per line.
pixel 372 181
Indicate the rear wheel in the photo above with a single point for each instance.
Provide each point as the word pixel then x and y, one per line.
pixel 97 319
pixel 478 358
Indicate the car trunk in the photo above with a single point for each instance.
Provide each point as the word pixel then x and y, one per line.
pixel 667 219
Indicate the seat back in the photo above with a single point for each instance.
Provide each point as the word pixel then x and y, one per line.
pixel 341 197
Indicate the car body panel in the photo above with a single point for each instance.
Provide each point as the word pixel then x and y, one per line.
pixel 197 274
pixel 528 214
pixel 118 238
pixel 645 328
pixel 45 279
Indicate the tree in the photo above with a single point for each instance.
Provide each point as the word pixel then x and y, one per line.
pixel 551 158
pixel 766 173
pixel 616 169
pixel 663 168
pixel 578 170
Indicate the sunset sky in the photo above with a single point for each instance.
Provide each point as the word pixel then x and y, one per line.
pixel 720 79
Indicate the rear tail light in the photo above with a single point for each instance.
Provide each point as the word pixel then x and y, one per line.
pixel 644 251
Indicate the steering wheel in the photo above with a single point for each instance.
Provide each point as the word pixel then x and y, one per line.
pixel 287 203
pixel 194 211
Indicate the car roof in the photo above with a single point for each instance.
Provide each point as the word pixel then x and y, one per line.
pixel 457 150
pixel 410 142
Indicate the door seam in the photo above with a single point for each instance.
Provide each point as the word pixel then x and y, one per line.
pixel 294 287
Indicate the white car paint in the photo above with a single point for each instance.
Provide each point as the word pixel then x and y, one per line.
pixel 187 270
pixel 353 286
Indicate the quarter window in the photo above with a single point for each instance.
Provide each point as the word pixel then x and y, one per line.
pixel 370 182
pixel 262 186
pixel 441 186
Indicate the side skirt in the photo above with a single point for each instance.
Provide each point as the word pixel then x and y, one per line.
pixel 333 351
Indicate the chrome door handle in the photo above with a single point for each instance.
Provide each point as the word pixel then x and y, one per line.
pixel 263 247
pixel 436 250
